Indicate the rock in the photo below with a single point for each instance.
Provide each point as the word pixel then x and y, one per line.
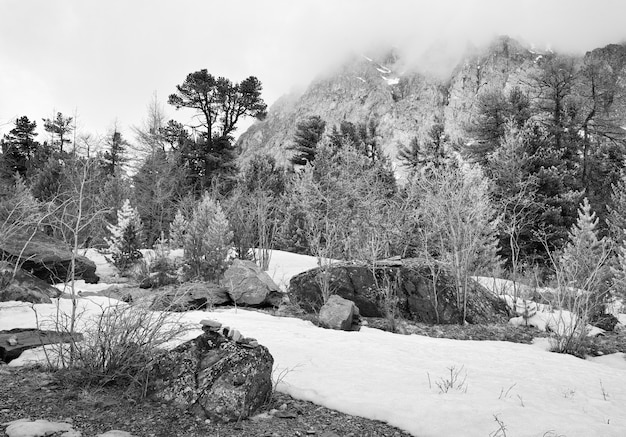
pixel 158 279
pixel 47 258
pixel 16 341
pixel 214 378
pixel 339 313
pixel 191 296
pixel 27 428
pixel 115 433
pixel 247 284
pixel 414 293
pixel 211 325
pixel 24 287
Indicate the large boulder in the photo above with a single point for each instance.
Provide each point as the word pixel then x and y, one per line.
pixel 215 377
pixel 191 296
pixel 248 285
pixel 47 258
pixel 22 286
pixel 339 313
pixel 414 292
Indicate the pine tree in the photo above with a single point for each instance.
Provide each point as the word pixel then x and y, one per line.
pixel 207 240
pixel 616 218
pixel 308 135
pixel 125 237
pixel 178 229
pixel 584 256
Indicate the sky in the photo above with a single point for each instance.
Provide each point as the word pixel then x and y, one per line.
pixel 105 61
pixel 393 377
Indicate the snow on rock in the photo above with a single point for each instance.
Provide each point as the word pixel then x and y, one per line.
pixel 37 428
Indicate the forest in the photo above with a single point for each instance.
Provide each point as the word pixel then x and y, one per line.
pixel 535 191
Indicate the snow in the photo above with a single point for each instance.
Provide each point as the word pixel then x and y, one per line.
pixel 361 79
pixel 392 81
pixel 393 377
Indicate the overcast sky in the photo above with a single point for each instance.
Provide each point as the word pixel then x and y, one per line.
pixel 104 60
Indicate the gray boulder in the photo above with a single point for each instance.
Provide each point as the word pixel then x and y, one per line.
pixel 191 296
pixel 215 378
pixel 247 284
pixel 340 313
pixel 414 293
pixel 47 258
pixel 23 286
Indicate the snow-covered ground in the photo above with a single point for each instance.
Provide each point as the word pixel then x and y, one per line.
pixel 394 378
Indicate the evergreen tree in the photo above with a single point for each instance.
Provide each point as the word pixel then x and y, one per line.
pixel 60 128
pixel 427 155
pixel 114 157
pixel 616 218
pixel 207 240
pixel 219 104
pixel 309 133
pixel 585 254
pixel 19 149
pixel 125 238
pixel 178 229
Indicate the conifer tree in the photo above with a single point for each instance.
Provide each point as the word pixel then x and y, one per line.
pixel 585 254
pixel 125 237
pixel 308 135
pixel 207 240
pixel 178 228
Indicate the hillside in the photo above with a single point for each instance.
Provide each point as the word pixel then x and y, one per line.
pixel 404 102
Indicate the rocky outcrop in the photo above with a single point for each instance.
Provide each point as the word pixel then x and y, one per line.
pixel 413 293
pixel 403 102
pixel 22 286
pixel 339 313
pixel 191 296
pixel 248 285
pixel 215 377
pixel 16 341
pixel 47 258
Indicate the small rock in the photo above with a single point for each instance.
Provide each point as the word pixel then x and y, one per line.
pixel 115 433
pixel 12 341
pixel 285 415
pixel 235 335
pixel 211 324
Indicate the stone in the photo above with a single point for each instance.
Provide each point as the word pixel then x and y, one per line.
pixel 211 324
pixel 191 296
pixel 247 284
pixel 27 428
pixel 47 258
pixel 23 286
pixel 16 341
pixel 339 313
pixel 214 378
pixel 414 299
pixel 115 433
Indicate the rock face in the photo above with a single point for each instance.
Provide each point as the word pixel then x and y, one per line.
pixel 214 377
pixel 47 258
pixel 339 313
pixel 191 296
pixel 23 286
pixel 414 293
pixel 247 284
pixel 403 103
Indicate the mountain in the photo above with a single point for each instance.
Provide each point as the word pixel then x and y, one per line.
pixel 404 102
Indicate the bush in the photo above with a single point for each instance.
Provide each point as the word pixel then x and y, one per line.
pixel 118 347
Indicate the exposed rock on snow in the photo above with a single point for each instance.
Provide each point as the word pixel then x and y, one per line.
pixel 23 286
pixel 414 293
pixel 16 341
pixel 340 313
pixel 214 377
pixel 191 296
pixel 47 258
pixel 247 284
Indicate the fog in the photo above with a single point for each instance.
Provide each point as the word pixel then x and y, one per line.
pixel 105 60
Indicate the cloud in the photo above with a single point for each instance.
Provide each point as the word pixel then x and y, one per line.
pixel 107 59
